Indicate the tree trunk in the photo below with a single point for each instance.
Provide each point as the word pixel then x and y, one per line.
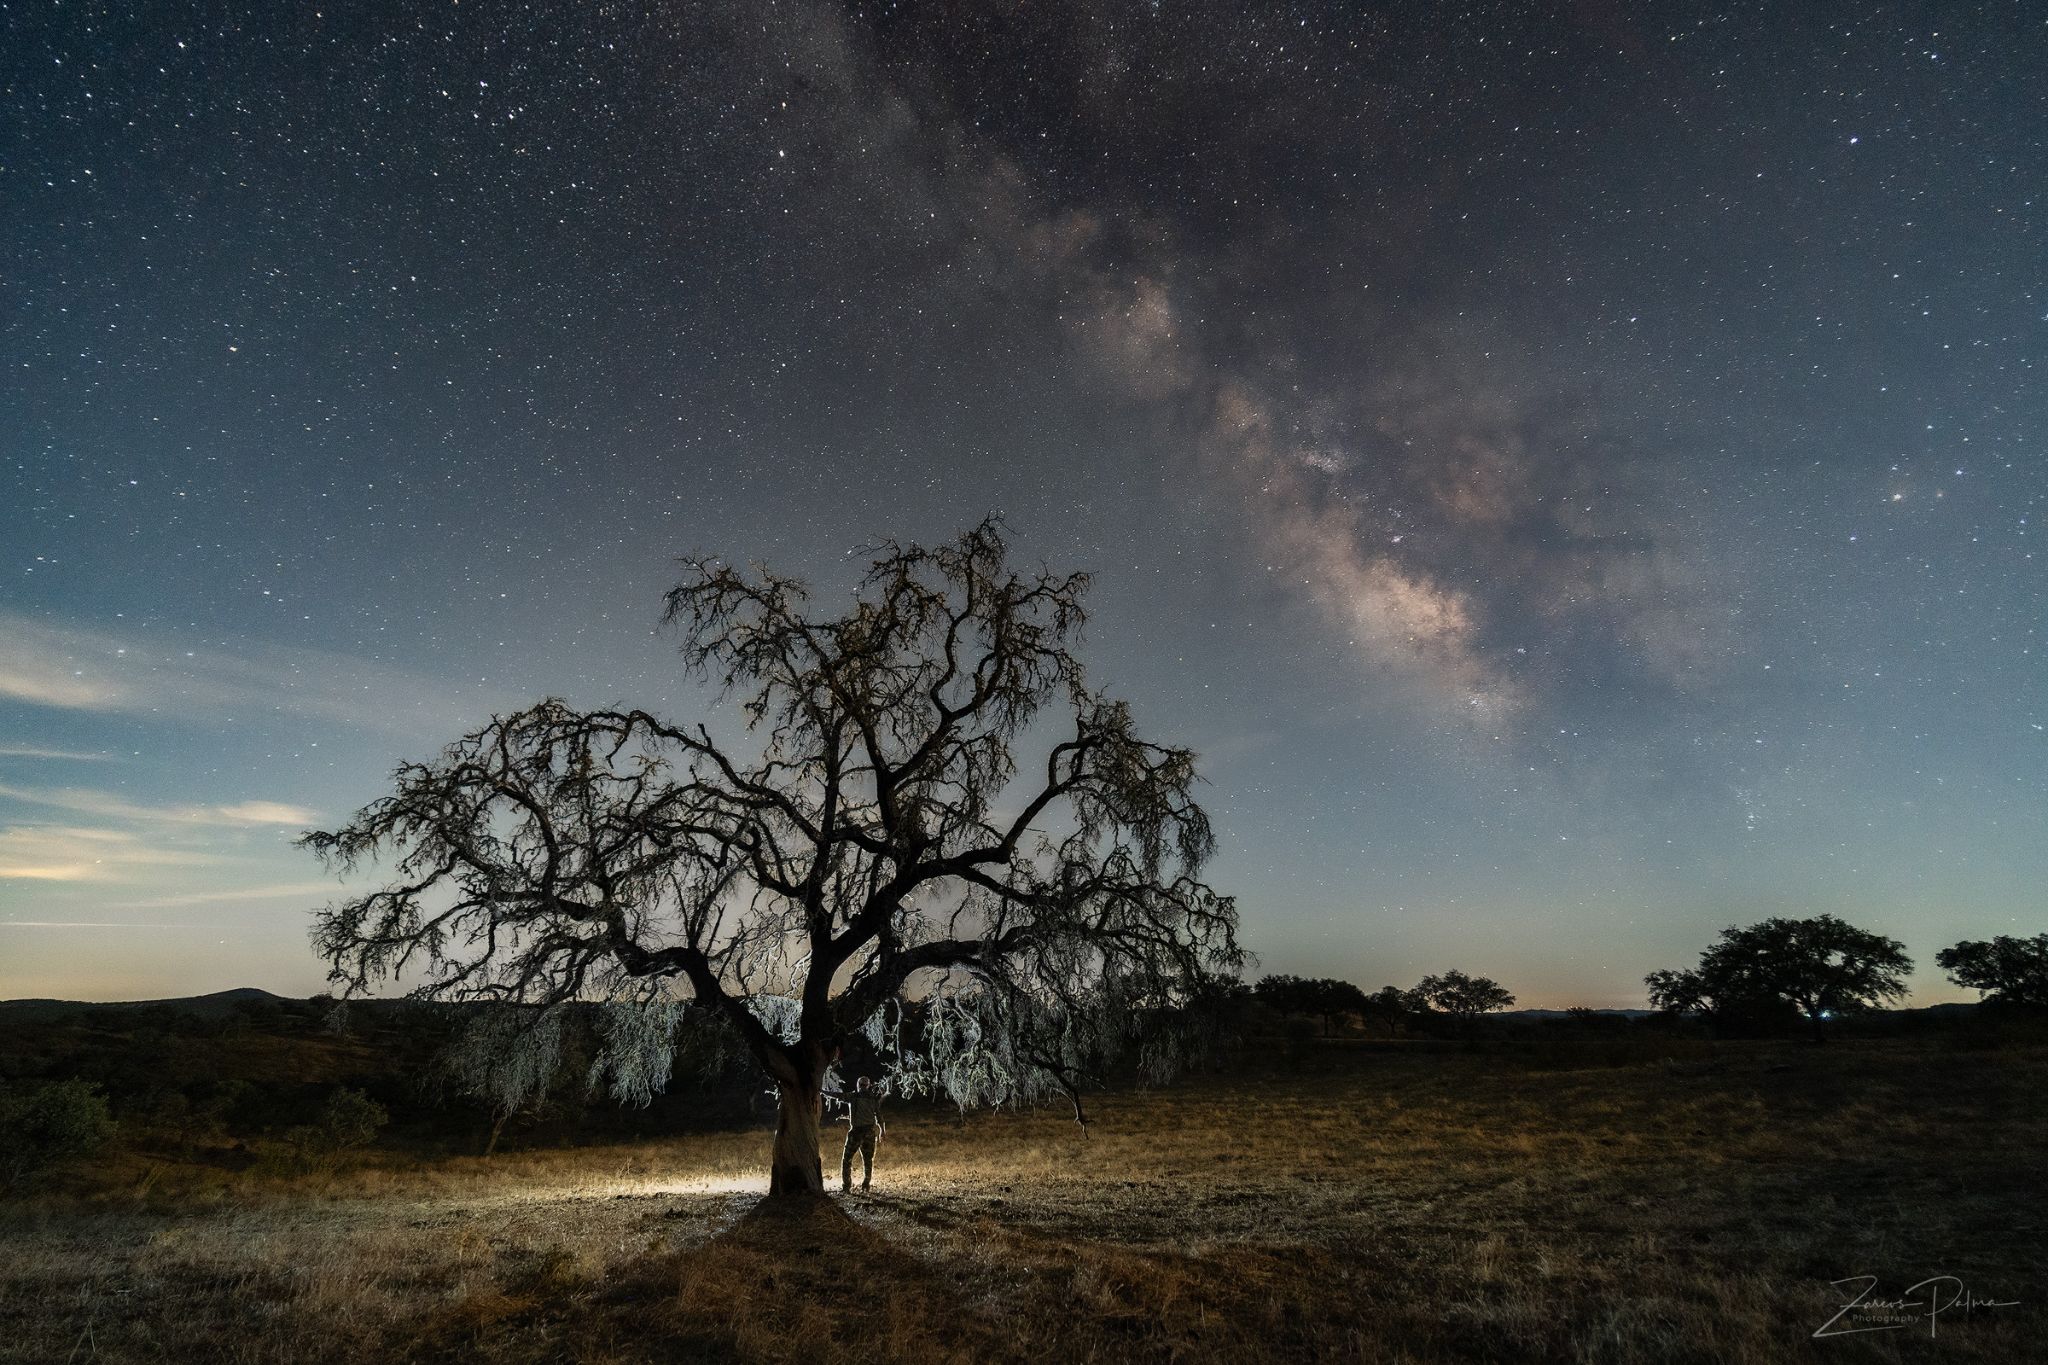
pixel 795 1168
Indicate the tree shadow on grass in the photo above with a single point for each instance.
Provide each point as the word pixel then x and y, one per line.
pixel 792 1279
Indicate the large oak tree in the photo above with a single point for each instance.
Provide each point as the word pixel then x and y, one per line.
pixel 2012 971
pixel 1819 967
pixel 888 835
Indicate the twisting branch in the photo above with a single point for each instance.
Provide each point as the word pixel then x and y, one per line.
pixel 865 854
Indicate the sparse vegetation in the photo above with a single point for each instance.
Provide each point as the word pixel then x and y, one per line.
pixel 49 1123
pixel 1642 1197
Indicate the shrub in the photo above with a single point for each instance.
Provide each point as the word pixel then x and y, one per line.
pixel 50 1123
pixel 350 1119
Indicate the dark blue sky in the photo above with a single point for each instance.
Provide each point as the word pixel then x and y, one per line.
pixel 1575 473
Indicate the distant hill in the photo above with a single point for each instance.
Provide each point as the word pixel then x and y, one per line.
pixel 1566 1014
pixel 203 1006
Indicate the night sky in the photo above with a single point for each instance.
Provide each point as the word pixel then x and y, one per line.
pixel 1574 471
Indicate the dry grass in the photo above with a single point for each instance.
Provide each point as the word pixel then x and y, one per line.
pixel 1385 1206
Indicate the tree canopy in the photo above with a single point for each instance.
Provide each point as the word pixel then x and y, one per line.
pixel 1462 997
pixel 890 835
pixel 1820 967
pixel 2012 971
pixel 1324 998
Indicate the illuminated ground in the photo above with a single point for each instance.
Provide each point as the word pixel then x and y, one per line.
pixel 1391 1205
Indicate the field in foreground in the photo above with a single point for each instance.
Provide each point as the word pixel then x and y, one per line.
pixel 1382 1204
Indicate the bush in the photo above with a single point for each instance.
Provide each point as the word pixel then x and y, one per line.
pixel 46 1124
pixel 350 1119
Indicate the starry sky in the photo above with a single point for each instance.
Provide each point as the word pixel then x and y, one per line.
pixel 1575 470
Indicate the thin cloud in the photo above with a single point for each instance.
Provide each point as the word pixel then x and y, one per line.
pixel 81 669
pixel 56 853
pixel 93 924
pixel 107 806
pixel 265 813
pixel 61 755
pixel 284 891
pixel 33 672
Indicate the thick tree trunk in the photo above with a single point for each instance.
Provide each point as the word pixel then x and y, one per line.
pixel 795 1167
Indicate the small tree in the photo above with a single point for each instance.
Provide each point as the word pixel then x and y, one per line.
pixel 350 1119
pixel 889 839
pixel 2012 971
pixel 1820 967
pixel 1464 998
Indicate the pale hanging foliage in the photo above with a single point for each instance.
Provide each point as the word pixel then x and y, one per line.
pixel 983 1046
pixel 780 1015
pixel 507 1057
pixel 967 1056
pixel 637 1049
pixel 939 808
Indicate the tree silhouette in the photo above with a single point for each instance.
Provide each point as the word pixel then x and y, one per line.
pixel 1389 1005
pixel 1325 998
pixel 1820 967
pixel 2013 971
pixel 886 840
pixel 1732 1004
pixel 1464 998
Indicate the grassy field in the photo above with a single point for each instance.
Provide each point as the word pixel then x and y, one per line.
pixel 1376 1203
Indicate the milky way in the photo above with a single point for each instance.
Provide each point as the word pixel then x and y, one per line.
pixel 1573 472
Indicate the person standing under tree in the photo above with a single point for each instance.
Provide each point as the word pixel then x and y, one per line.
pixel 863 1129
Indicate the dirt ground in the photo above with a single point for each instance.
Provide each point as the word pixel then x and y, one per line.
pixel 1380 1204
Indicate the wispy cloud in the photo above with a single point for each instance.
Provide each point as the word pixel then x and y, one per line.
pixel 59 853
pixel 282 891
pixel 128 839
pixel 39 669
pixel 108 806
pixel 139 671
pixel 63 755
pixel 93 924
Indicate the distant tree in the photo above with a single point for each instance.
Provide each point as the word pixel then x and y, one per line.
pixel 42 1125
pixel 1820 967
pixel 2013 971
pixel 889 840
pixel 1339 1001
pixel 1464 998
pixel 1321 998
pixel 1389 1007
pixel 1282 993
